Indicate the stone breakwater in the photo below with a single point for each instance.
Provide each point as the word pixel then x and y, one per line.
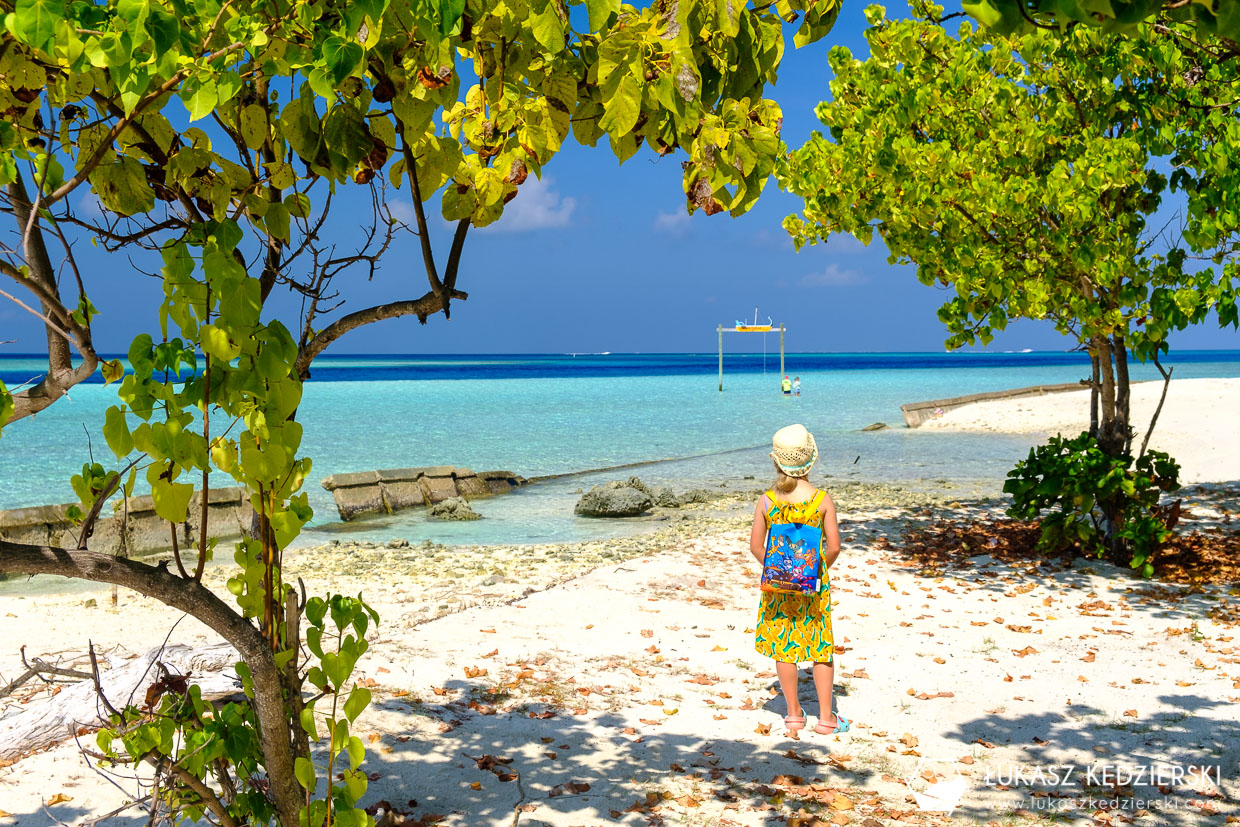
pixel 395 489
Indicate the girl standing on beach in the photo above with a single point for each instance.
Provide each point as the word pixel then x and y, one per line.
pixel 794 628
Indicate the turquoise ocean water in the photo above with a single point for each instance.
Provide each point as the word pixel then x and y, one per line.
pixel 565 414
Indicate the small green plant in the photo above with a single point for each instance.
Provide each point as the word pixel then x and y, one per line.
pixel 1106 505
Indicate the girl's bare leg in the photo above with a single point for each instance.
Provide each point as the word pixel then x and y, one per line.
pixel 787 673
pixel 824 682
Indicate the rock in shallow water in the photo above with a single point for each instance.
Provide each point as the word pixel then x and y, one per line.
pixel 453 508
pixel 605 501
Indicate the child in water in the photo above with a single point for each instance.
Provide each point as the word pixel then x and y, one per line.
pixel 793 628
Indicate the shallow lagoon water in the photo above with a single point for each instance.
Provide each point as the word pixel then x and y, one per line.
pixel 551 415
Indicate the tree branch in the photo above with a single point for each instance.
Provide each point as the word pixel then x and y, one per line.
pixel 427 305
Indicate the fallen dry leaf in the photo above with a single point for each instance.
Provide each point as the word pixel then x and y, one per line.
pixel 1089 658
pixel 59 798
pixel 475 671
pixel 1130 713
pixel 763 729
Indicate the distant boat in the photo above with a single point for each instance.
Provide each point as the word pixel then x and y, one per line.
pixel 746 327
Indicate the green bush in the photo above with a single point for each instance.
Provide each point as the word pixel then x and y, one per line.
pixel 1107 505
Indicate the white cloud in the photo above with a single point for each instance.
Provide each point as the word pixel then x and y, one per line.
pixel 402 211
pixel 833 276
pixel 844 243
pixel 537 207
pixel 672 223
pixel 89 206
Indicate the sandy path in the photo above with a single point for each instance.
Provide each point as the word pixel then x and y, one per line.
pixel 659 704
pixel 1197 425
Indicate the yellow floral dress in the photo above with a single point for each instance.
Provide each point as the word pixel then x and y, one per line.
pixel 793 628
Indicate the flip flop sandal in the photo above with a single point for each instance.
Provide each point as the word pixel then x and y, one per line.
pixel 842 724
pixel 794 723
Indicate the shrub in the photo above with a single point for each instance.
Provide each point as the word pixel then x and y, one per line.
pixel 1105 505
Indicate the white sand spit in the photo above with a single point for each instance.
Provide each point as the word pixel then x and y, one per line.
pixel 1197 425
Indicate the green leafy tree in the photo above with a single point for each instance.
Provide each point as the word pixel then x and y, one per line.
pixel 215 138
pixel 1220 18
pixel 1023 175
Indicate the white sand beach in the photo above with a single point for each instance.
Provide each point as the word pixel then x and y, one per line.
pixel 631 693
pixel 1197 425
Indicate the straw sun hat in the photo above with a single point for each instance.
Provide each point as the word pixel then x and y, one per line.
pixel 794 450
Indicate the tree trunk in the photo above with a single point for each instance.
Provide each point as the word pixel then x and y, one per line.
pixel 1094 379
pixel 1110 387
pixel 1123 392
pixel 76 707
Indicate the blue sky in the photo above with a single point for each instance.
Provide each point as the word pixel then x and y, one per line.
pixel 602 257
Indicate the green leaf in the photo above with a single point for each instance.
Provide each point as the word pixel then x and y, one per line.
pixel 116 432
pixel 622 109
pixel 200 98
pixel 303 770
pixel 36 21
pixel 122 186
pixel 600 11
pixel 217 343
pixel 357 751
pixel 164 29
pixel 342 57
pixel 6 406
pixel 345 133
pixel 450 12
pixel 548 29
pixel 112 371
pixel 171 500
pixel 253 123
pixel 357 701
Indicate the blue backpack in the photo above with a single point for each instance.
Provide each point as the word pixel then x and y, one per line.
pixel 793 562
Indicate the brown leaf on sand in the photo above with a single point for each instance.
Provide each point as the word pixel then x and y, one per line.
pixel 939 661
pixel 1130 713
pixel 720 717
pixel 688 801
pixel 704 680
pixel 909 740
pixel 787 781
pixel 984 743
pixel 475 671
pixel 719 649
pixel 841 802
pixel 977 623
pixel 649 722
pixel 491 654
pixel 1089 658
pixel 493 763
pixel 763 729
pixel 1008 679
pixel 439 690
pixel 59 798
pixel 487 631
pixel 1028 650
pixel 647 632
pixel 967 759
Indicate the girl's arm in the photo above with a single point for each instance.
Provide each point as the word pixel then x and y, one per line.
pixel 830 531
pixel 757 533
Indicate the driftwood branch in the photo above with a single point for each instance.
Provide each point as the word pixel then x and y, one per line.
pixel 38 668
